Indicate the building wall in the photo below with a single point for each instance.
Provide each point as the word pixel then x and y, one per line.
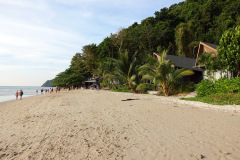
pixel 217 75
pixel 208 49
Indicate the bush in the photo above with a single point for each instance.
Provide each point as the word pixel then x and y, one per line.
pixel 122 88
pixel 223 85
pixel 184 87
pixel 144 87
pixel 205 87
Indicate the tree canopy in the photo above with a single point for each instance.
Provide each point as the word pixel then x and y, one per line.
pixel 178 29
pixel 229 49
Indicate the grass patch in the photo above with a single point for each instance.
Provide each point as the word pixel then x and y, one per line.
pixel 121 90
pixel 218 99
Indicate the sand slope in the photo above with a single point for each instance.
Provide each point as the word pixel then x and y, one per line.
pixel 87 124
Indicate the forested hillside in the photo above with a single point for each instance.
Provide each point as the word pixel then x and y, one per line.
pixel 48 83
pixel 178 29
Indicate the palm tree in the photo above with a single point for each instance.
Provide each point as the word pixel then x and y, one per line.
pixel 125 69
pixel 162 73
pixel 109 72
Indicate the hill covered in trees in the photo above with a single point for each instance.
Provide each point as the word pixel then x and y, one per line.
pixel 177 29
pixel 48 83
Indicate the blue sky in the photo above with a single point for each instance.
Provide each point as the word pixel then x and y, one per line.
pixel 38 38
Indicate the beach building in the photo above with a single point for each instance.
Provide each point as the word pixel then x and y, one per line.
pixel 184 62
pixel 91 83
pixel 211 48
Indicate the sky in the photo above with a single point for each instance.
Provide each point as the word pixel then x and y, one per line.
pixel 38 38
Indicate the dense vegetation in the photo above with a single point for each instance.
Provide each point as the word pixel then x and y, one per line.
pixel 177 29
pixel 48 83
pixel 221 91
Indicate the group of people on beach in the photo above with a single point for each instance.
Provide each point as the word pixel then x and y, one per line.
pixel 20 94
pixel 57 89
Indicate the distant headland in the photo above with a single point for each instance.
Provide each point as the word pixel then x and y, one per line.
pixel 48 83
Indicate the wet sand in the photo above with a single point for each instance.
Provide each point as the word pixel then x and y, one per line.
pixel 89 124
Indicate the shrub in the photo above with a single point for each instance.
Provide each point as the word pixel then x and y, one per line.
pixel 205 87
pixel 144 87
pixel 122 88
pixel 184 87
pixel 223 85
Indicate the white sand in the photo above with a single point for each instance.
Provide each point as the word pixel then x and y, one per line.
pixel 87 124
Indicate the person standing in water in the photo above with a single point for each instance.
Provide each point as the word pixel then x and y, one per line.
pixel 16 95
pixel 21 94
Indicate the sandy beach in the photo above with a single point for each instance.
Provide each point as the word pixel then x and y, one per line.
pixel 89 124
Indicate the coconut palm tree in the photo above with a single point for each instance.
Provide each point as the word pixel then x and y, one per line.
pixel 162 73
pixel 125 69
pixel 109 72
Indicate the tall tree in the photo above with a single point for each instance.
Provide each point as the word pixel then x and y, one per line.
pixel 90 53
pixel 229 49
pixel 126 70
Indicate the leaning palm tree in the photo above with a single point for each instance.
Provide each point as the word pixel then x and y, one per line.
pixel 125 69
pixel 162 73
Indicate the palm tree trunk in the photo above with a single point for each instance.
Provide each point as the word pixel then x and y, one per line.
pixel 165 90
pixel 132 87
pixel 114 85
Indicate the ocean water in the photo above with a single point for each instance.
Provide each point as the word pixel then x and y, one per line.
pixel 8 92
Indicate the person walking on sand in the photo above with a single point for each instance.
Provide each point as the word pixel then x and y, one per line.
pixel 56 89
pixel 21 94
pixel 16 95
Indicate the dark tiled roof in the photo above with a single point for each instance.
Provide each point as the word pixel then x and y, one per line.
pixel 182 62
pixel 211 45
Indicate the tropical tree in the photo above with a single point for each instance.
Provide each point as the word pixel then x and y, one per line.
pixel 68 78
pixel 162 73
pixel 125 69
pixel 210 61
pixel 108 74
pixel 229 49
pixel 90 55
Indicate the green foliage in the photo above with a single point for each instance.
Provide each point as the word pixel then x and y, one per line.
pixel 68 78
pixel 229 49
pixel 48 83
pixel 125 69
pixel 223 85
pixel 218 99
pixel 162 73
pixel 90 54
pixel 183 87
pixel 205 87
pixel 211 62
pixel 144 87
pixel 122 88
pixel 106 49
pixel 177 29
pixel 109 75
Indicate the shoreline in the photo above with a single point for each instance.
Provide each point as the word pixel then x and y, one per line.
pixel 90 124
pixel 28 96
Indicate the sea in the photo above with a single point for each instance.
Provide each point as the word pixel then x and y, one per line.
pixel 7 93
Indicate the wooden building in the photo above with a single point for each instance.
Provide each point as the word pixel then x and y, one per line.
pixel 206 47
